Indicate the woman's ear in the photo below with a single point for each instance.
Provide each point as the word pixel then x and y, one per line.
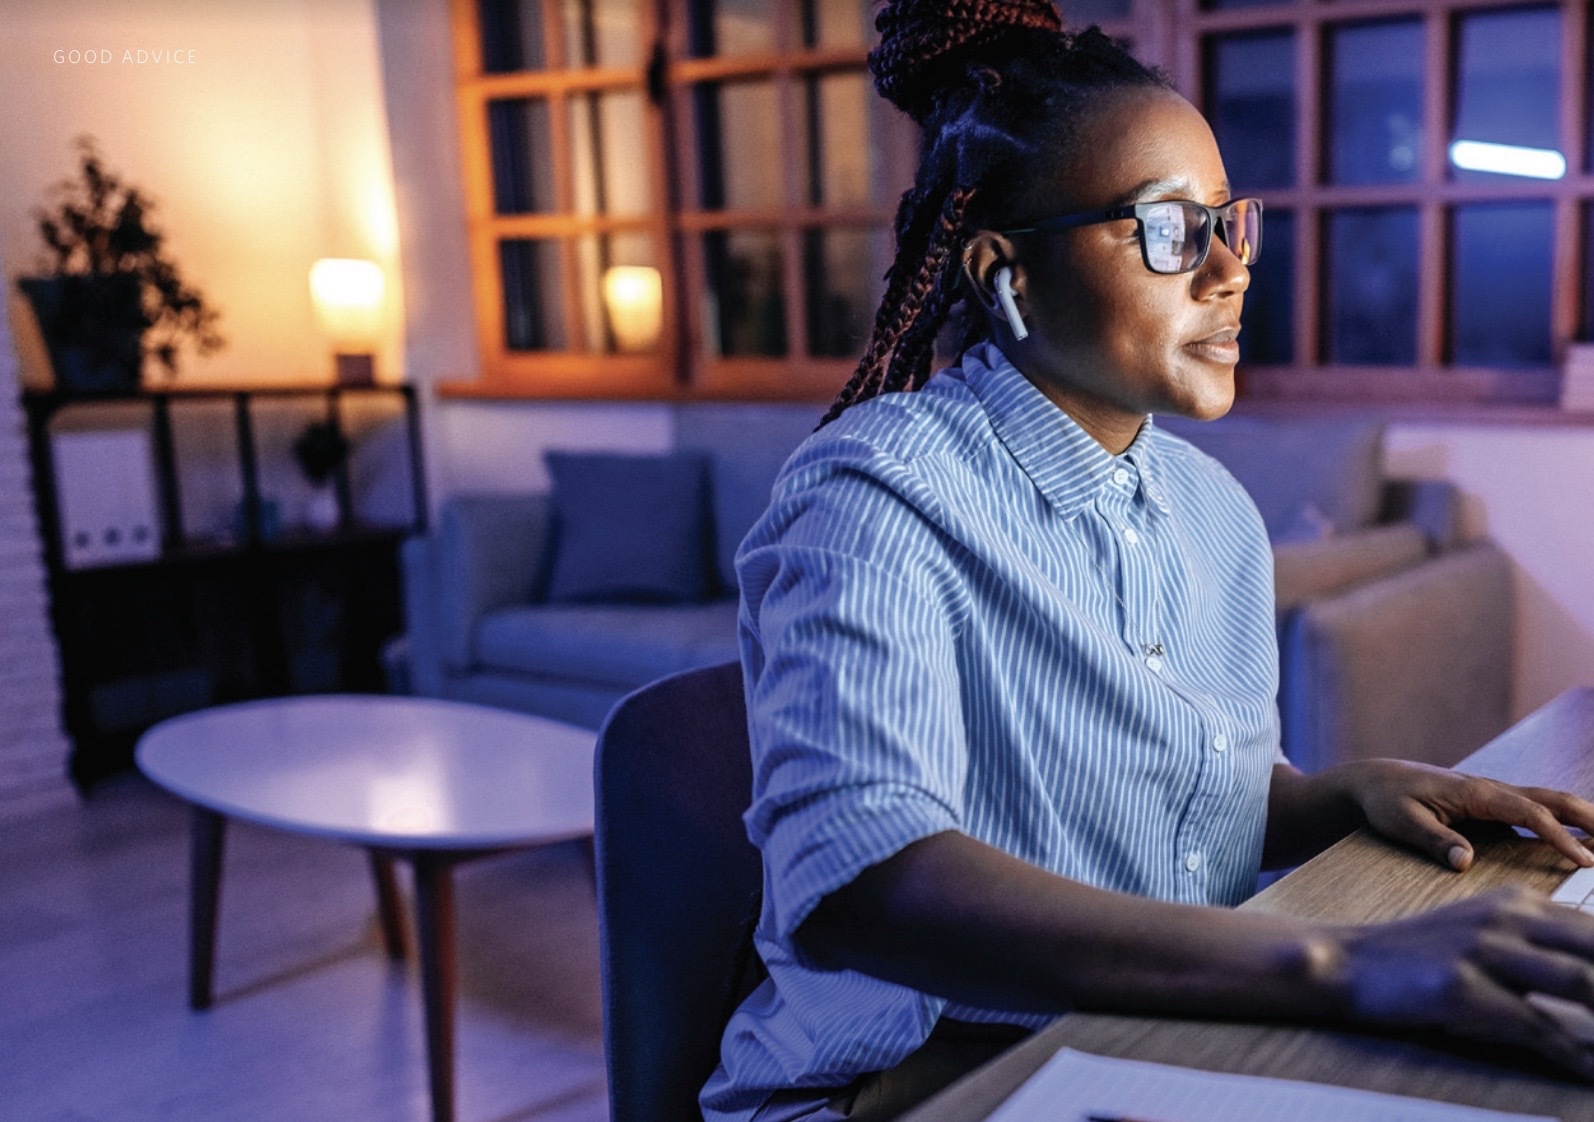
pixel 986 254
pixel 994 274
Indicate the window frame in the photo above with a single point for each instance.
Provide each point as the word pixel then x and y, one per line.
pixel 1432 381
pixel 1172 34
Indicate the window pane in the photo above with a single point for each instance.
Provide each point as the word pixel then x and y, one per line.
pixel 1376 108
pixel 1500 284
pixel 511 35
pixel 1251 92
pixel 522 171
pixel 533 294
pixel 1371 285
pixel 840 270
pixel 621 293
pixel 744 309
pixel 601 32
pixel 839 142
pixel 837 23
pixel 1508 96
pixel 1267 332
pixel 739 157
pixel 730 27
pixel 609 158
pixel 596 33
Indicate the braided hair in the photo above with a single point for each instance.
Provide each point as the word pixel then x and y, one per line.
pixel 993 84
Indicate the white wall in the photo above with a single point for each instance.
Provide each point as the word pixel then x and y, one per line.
pixel 265 152
pixel 1531 489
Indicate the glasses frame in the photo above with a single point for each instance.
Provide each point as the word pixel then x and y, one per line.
pixel 1218 219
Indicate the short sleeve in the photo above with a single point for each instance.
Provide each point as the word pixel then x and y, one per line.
pixel 854 704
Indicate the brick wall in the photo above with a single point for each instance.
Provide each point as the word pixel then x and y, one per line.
pixel 33 749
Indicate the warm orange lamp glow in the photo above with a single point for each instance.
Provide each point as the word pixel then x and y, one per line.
pixel 347 293
pixel 634 296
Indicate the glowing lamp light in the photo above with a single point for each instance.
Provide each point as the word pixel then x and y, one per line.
pixel 634 296
pixel 347 293
pixel 1508 159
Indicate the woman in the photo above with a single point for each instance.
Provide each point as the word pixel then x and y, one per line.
pixel 1009 648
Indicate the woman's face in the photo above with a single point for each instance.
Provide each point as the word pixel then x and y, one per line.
pixel 1109 339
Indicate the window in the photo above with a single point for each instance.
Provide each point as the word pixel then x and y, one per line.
pixel 692 198
pixel 687 199
pixel 1425 159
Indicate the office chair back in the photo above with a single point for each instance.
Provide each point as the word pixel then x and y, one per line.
pixel 677 883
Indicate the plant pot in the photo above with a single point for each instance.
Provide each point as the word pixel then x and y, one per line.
pixel 93 327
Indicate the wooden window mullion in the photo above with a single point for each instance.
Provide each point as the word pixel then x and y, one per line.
pixel 1433 227
pixel 1566 292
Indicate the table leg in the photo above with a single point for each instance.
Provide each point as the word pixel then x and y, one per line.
pixel 209 832
pixel 434 924
pixel 388 904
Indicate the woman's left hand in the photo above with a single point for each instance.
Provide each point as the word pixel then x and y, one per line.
pixel 1416 804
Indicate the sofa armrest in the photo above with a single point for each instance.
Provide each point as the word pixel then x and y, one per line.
pixel 490 553
pixel 1433 505
pixel 423 655
pixel 1416 665
pixel 1305 571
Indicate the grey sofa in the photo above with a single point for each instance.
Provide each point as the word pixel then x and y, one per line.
pixel 1395 637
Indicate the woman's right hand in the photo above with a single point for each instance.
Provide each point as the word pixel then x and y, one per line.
pixel 1468 968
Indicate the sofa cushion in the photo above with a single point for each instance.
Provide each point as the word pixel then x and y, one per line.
pixel 629 528
pixel 1334 464
pixel 1309 570
pixel 624 644
pixel 749 445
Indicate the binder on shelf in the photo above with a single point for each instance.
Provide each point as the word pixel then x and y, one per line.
pixel 105 491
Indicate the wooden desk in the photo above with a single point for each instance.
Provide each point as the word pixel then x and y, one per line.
pixel 1360 879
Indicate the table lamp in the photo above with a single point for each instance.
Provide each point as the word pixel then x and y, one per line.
pixel 348 300
pixel 634 296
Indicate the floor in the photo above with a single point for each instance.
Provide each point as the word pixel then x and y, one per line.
pixel 311 1020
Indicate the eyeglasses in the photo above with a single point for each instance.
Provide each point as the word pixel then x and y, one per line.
pixel 1176 234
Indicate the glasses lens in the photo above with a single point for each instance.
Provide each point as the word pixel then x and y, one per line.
pixel 1242 230
pixel 1175 236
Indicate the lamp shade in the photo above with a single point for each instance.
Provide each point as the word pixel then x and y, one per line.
pixel 634 296
pixel 348 301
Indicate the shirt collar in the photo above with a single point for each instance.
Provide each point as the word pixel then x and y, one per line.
pixel 1066 463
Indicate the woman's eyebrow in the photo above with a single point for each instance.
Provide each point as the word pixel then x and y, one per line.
pixel 1148 189
pixel 1144 190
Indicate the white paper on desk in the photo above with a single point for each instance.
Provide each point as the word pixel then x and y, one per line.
pixel 1073 1085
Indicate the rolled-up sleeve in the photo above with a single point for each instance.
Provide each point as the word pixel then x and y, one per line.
pixel 854 704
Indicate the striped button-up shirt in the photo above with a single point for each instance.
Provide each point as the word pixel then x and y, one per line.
pixel 960 612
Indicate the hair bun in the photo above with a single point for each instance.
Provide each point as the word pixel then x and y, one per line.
pixel 926 46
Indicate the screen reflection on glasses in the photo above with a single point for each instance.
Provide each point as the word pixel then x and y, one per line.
pixel 1175 234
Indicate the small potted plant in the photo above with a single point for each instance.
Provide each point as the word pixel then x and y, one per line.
pixel 107 293
pixel 321 449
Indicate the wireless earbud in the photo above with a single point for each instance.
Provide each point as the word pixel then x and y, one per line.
pixel 1004 297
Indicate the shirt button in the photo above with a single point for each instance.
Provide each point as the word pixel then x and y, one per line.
pixel 1131 536
pixel 1153 663
pixel 1219 742
pixel 1120 476
pixel 1192 860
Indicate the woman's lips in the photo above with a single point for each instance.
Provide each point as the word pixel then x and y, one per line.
pixel 1219 347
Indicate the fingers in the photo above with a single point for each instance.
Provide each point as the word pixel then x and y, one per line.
pixel 1419 827
pixel 1524 807
pixel 1566 807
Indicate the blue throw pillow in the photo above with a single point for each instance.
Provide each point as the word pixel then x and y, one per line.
pixel 629 527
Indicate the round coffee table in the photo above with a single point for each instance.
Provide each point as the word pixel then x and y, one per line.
pixel 430 782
